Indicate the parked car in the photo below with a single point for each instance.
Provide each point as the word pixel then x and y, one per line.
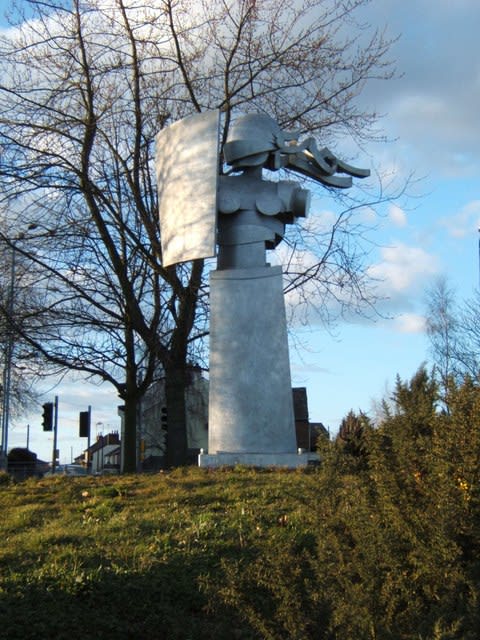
pixel 69 470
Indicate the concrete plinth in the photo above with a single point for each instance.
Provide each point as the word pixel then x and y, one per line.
pixel 289 460
pixel 250 399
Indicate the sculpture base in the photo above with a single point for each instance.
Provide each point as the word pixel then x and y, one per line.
pixel 250 397
pixel 288 460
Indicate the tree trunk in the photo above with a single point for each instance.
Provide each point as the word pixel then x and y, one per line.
pixel 175 383
pixel 129 436
pixel 131 398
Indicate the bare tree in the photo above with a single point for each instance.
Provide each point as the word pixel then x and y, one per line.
pixel 453 328
pixel 468 347
pixel 85 88
pixel 443 331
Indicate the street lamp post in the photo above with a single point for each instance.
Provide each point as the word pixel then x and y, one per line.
pixel 8 352
pixel 7 370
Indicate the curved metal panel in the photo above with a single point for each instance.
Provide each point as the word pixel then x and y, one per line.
pixel 187 170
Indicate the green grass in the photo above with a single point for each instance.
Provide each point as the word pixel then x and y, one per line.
pixel 242 554
pixel 139 556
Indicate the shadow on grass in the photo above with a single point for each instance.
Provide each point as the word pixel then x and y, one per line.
pixel 165 602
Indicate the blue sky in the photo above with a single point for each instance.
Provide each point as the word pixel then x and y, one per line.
pixel 431 118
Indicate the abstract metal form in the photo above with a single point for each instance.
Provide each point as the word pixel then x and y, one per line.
pixel 187 173
pixel 250 400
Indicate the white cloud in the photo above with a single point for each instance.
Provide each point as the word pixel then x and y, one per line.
pixel 431 108
pixel 464 221
pixel 397 216
pixel 410 323
pixel 403 267
pixel 416 108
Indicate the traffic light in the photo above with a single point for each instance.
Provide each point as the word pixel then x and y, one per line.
pixel 84 424
pixel 47 416
pixel 164 418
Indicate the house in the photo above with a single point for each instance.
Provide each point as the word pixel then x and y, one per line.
pixel 307 432
pixel 153 423
pixel 103 456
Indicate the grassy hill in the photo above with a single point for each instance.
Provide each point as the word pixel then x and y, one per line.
pixel 217 554
pixel 141 556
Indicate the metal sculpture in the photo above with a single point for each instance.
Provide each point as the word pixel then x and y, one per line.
pixel 238 216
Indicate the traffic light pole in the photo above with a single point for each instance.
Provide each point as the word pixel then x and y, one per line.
pixel 88 437
pixel 55 429
pixel 85 424
pixel 89 427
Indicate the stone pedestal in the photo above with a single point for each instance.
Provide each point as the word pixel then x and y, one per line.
pixel 250 401
pixel 288 460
